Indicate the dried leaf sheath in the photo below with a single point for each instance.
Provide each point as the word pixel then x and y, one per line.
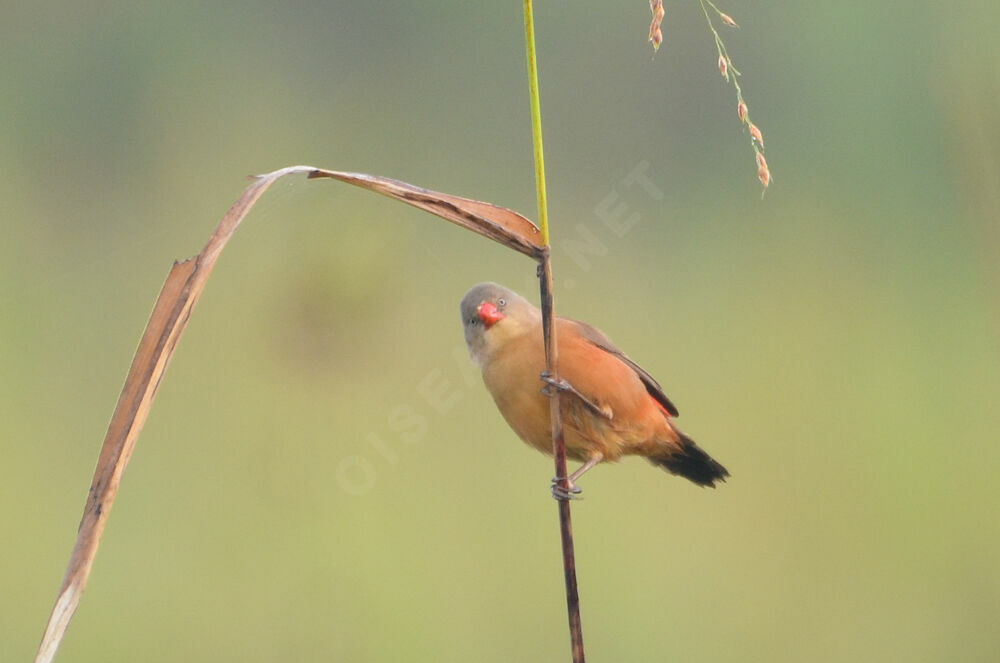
pixel 170 315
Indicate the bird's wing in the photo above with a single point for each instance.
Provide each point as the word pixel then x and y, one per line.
pixel 601 340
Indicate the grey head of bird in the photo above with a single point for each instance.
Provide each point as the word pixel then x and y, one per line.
pixel 492 313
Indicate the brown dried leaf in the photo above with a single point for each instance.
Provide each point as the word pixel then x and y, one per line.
pixel 170 315
pixel 498 223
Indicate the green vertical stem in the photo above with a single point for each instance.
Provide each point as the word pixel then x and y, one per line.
pixel 536 121
pixel 551 347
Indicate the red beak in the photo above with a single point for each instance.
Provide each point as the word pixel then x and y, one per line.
pixel 490 314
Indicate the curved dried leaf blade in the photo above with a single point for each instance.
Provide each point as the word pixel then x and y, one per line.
pixel 498 223
pixel 170 315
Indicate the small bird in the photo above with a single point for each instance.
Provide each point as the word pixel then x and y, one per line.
pixel 611 407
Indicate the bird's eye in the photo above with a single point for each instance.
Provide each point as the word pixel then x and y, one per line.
pixel 501 302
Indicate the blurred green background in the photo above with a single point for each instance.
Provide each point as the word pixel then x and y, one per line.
pixel 835 344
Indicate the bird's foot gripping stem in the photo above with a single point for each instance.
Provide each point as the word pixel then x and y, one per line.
pixel 572 491
pixel 562 494
pixel 552 385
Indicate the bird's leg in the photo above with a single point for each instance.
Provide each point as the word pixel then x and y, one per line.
pixel 573 491
pixel 552 384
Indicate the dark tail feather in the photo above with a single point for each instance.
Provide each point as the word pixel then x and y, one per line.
pixel 692 463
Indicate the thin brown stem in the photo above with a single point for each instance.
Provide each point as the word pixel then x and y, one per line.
pixel 559 454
